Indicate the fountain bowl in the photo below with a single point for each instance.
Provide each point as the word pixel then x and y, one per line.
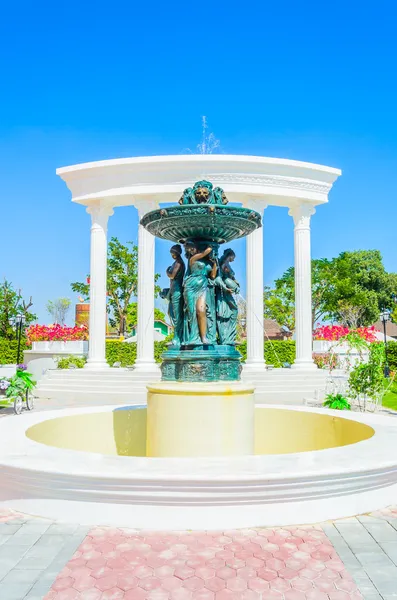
pixel 206 222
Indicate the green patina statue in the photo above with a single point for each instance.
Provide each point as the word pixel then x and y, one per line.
pixel 174 294
pixel 203 192
pixel 202 306
pixel 197 294
pixel 226 306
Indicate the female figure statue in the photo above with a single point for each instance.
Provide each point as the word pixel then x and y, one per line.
pixel 195 293
pixel 226 306
pixel 176 273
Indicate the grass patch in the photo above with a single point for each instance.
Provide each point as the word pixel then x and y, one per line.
pixel 389 400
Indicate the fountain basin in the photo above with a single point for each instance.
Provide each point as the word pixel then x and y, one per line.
pixel 207 222
pixel 76 465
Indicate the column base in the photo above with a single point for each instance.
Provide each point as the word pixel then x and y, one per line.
pixel 304 365
pixel 200 419
pixel 147 367
pixel 254 367
pixel 96 365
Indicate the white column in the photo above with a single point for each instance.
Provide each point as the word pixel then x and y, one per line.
pixel 145 362
pixel 255 361
pixel 303 287
pixel 98 268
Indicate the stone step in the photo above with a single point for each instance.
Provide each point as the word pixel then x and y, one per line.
pixel 96 397
pixel 118 373
pixel 287 373
pixel 96 382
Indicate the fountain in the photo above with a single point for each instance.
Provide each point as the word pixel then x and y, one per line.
pixel 200 408
pixel 201 454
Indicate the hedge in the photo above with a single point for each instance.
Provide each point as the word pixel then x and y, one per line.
pixel 9 350
pixel 277 353
pixel 392 355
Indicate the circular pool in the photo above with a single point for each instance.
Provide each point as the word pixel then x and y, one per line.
pixel 89 466
pixel 122 431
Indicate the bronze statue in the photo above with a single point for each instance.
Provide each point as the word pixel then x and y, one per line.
pixel 226 306
pixel 200 268
pixel 202 307
pixel 203 192
pixel 176 273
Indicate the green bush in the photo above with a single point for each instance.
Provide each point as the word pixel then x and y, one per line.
pixel 276 353
pixel 392 355
pixel 280 352
pixel 67 361
pixel 9 349
pixel 121 352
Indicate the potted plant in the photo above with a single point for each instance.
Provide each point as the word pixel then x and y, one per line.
pixel 18 389
pixel 336 402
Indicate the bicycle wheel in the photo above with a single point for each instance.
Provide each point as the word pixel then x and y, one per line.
pixel 29 401
pixel 18 405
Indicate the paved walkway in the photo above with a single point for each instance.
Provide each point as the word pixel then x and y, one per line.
pixel 349 559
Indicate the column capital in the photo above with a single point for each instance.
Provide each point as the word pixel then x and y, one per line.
pixel 100 214
pixel 301 214
pixel 145 206
pixel 257 204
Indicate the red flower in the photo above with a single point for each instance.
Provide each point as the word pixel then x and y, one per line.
pixel 52 333
pixel 337 332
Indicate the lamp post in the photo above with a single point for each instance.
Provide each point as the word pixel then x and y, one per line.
pixel 19 321
pixel 384 317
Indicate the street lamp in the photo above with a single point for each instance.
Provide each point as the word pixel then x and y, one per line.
pixel 19 321
pixel 384 317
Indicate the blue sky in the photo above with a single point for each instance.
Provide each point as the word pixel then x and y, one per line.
pixel 86 81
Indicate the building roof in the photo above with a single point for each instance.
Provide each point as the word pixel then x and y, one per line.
pixel 274 330
pixel 156 321
pixel 391 328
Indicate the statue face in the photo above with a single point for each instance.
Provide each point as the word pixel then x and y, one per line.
pixel 202 194
pixel 190 249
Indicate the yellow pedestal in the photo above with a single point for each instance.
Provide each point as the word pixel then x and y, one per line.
pixel 200 419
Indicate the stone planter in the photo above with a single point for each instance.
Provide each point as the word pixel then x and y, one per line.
pixel 43 355
pixel 72 347
pixel 347 357
pixel 7 371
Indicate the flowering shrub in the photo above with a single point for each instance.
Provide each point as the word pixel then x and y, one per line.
pixel 56 333
pixel 327 361
pixel 332 333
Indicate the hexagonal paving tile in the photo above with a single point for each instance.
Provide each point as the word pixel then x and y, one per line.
pixel 295 563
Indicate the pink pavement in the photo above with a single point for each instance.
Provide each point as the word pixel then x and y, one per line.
pixel 290 563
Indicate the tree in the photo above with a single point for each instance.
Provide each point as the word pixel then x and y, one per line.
pixel 280 301
pixel 58 309
pixel 133 314
pixel 362 281
pixel 350 315
pixel 122 282
pixel 352 288
pixel 11 305
pixel 241 318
